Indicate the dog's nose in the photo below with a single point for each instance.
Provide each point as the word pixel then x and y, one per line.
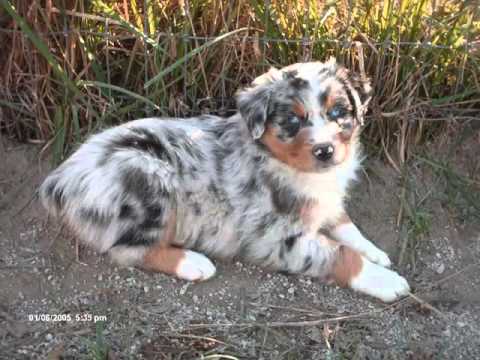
pixel 323 151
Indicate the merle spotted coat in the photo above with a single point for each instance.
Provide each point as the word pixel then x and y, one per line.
pixel 267 184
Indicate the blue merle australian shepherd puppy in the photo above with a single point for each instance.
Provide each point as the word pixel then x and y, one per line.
pixel 267 184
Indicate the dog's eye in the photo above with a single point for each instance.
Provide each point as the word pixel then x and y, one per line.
pixel 292 124
pixel 337 112
pixel 346 125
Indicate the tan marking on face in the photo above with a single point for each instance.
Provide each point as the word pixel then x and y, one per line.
pixel 341 143
pixel 332 96
pixel 162 257
pixel 299 109
pixel 347 265
pixel 337 91
pixel 297 154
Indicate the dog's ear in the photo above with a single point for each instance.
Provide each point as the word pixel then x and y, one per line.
pixel 362 86
pixel 253 104
pixel 270 76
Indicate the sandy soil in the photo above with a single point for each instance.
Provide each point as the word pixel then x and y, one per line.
pixel 244 312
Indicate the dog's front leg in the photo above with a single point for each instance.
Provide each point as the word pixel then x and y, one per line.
pixel 345 232
pixel 319 256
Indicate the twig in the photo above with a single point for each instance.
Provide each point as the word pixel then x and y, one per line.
pixel 428 306
pixel 294 323
pixel 188 336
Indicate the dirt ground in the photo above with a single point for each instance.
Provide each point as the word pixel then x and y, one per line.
pixel 58 302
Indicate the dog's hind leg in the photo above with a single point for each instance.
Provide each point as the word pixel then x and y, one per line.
pixel 185 264
pixel 161 256
pixel 182 263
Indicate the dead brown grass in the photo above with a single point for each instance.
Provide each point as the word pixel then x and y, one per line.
pixel 75 66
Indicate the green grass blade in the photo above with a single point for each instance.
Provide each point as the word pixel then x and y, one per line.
pixel 189 55
pixel 60 133
pixel 129 26
pixel 121 90
pixel 39 44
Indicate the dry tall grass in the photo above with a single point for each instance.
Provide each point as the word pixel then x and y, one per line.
pixel 71 66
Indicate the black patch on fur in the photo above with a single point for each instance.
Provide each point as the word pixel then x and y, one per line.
pixel 171 138
pixel 182 143
pixel 135 182
pixel 284 198
pixel 324 231
pixel 307 264
pixel 220 153
pixel 153 217
pixel 291 240
pixel 56 193
pixel 193 172
pixel 154 200
pixel 250 186
pixel 142 140
pixel 299 84
pixel 133 237
pixel 281 253
pixel 144 187
pixel 94 216
pixel 197 209
pixel 192 242
pixel 58 198
pixel 213 189
pixel 265 222
pixel 323 71
pixel 323 97
pixel 126 211
pixel 214 230
pixel 289 75
pixel 220 129
pixel 258 159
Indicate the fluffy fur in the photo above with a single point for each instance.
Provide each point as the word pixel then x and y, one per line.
pixel 267 184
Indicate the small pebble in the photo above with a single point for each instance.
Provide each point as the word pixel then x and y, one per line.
pixel 441 268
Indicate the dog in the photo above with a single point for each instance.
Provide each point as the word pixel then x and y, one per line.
pixel 267 184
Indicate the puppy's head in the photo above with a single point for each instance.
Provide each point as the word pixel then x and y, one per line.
pixel 307 115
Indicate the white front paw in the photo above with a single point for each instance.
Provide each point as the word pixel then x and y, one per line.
pixel 348 234
pixel 378 256
pixel 380 282
pixel 195 267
